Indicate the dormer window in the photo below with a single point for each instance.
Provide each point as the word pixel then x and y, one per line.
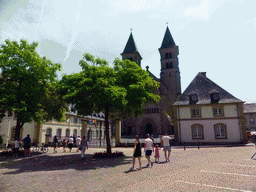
pixel 215 97
pixel 193 99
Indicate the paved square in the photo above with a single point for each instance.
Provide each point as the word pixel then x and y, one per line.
pixel 206 169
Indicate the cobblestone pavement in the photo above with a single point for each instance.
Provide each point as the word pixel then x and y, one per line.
pixel 206 169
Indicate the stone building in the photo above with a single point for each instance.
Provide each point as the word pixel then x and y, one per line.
pixel 154 120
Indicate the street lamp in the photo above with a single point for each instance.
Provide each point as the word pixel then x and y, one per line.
pixel 8 132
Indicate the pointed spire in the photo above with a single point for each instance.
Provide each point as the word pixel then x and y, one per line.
pixel 168 41
pixel 130 46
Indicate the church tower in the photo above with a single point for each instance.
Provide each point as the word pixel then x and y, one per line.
pixel 130 51
pixel 170 74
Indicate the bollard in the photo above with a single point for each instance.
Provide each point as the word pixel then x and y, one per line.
pixel 198 144
pixel 184 146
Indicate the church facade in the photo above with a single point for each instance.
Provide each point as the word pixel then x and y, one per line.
pixel 156 118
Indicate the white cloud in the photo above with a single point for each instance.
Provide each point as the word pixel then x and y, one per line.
pixel 201 10
pixel 135 5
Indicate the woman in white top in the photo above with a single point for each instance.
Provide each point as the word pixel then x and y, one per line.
pixel 70 143
pixel 78 143
pixel 16 147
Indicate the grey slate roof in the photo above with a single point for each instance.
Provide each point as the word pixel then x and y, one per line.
pixel 168 41
pixel 130 46
pixel 203 87
pixel 249 108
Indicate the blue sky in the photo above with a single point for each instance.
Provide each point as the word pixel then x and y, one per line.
pixel 214 36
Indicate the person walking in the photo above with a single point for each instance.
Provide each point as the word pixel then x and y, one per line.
pixel 70 143
pixel 74 140
pixel 157 154
pixel 148 148
pixel 64 143
pixel 27 145
pixel 84 145
pixel 78 143
pixel 55 143
pixel 136 153
pixel 16 147
pixel 166 146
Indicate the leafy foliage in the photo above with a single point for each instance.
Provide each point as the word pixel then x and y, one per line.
pixel 28 83
pixel 120 90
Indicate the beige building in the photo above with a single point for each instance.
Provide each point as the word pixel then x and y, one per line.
pixel 250 116
pixel 207 113
pixel 94 128
pixel 154 120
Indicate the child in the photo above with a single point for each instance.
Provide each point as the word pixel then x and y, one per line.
pixel 157 155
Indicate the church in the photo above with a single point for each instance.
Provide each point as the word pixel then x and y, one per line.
pixel 156 118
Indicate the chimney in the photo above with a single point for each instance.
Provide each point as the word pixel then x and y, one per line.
pixel 202 73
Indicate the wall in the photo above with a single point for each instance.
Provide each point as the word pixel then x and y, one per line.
pixel 233 132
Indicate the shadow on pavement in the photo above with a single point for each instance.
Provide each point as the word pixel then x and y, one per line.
pixel 46 162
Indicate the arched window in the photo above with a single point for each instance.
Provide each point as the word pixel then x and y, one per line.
pixel 167 66
pixel 67 132
pixel 49 131
pixel 220 130
pixel 13 133
pixel 75 132
pixel 168 55
pixel 149 128
pixel 58 133
pixel 171 65
pixel 197 131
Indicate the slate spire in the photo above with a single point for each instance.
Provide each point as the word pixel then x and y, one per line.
pixel 130 46
pixel 168 41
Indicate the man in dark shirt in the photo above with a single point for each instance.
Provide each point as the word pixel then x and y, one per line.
pixel 27 145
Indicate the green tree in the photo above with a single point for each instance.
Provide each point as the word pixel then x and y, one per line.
pixel 28 84
pixel 120 90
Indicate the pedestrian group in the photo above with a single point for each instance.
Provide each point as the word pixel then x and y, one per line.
pixel 149 148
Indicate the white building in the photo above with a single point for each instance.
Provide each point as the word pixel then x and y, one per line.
pixel 207 113
pixel 44 133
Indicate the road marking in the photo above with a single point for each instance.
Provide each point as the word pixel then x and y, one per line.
pixel 237 165
pixel 227 173
pixel 214 186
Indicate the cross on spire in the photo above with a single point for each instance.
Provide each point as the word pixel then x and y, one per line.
pixel 131 29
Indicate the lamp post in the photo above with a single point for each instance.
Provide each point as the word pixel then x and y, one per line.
pixel 100 133
pixel 8 132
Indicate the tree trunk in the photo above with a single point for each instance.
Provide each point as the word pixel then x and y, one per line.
pixel 107 130
pixel 18 128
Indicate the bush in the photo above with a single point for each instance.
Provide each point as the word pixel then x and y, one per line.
pixel 11 153
pixel 105 155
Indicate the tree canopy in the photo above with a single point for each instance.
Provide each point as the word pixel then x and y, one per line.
pixel 120 90
pixel 28 84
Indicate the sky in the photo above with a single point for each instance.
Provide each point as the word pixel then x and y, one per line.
pixel 214 36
